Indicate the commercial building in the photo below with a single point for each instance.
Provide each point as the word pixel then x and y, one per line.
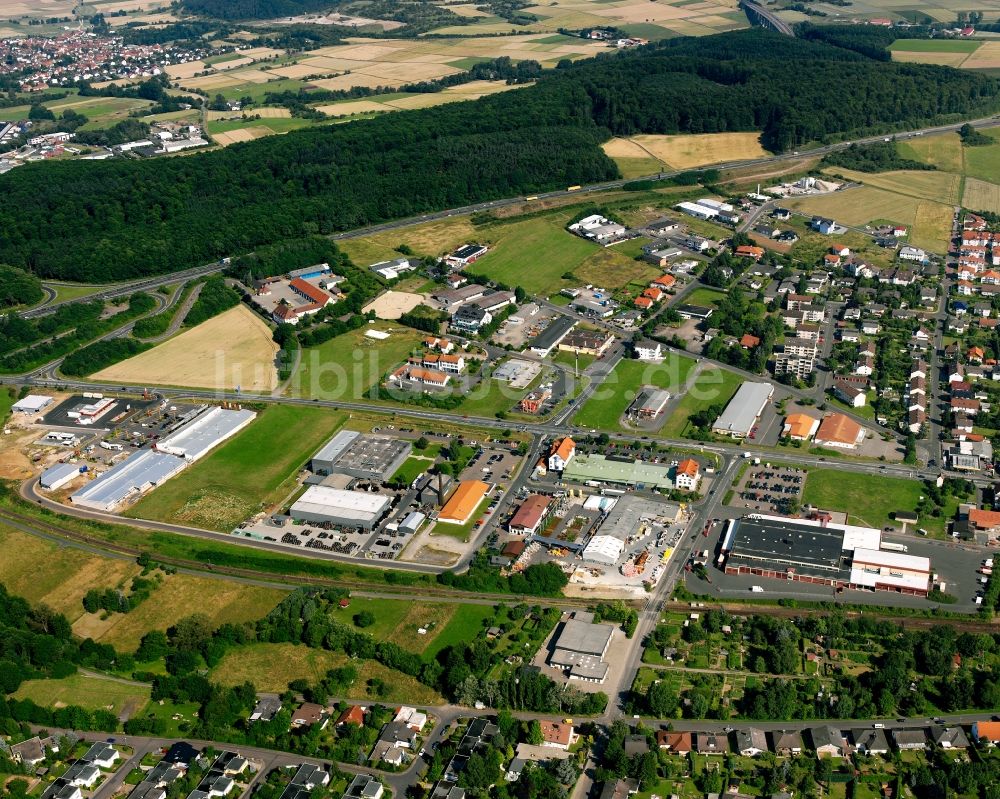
pixel 529 517
pixel 131 478
pixel 587 342
pixel 743 410
pixel 365 456
pixel 837 430
pixel 204 432
pixel 630 516
pixel 649 403
pixel 462 504
pixel 687 475
pixel 33 403
pixel 55 477
pixel 890 571
pixel 465 255
pixel 800 427
pixel 546 341
pixel 579 646
pixel 321 504
pixel 619 471
pixel 390 270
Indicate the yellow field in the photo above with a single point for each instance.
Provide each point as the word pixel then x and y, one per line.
pixel 986 56
pixel 270 667
pixel 432 238
pixel 981 195
pixel 242 134
pixel 943 151
pixel 70 573
pixel 942 59
pixel 233 349
pixel 931 226
pixel 688 151
pixel 468 91
pixel 929 185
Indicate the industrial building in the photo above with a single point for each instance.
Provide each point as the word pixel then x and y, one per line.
pixel 821 552
pixel 321 504
pixel 743 410
pixel 529 517
pixel 204 432
pixel 462 504
pixel 618 470
pixel 649 403
pixel 131 478
pixel 551 336
pixel 366 456
pixel 627 518
pixel 55 477
pixel 579 646
pixel 33 403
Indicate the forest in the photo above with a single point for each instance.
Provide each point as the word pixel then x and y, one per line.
pixel 18 287
pixel 116 220
pixel 254 9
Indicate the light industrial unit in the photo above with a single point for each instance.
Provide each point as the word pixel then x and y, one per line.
pixel 365 456
pixel 321 504
pixel 130 478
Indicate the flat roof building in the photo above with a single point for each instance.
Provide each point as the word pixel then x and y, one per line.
pixel 33 403
pixel 549 338
pixel 463 502
pixel 618 470
pixel 204 432
pixel 359 509
pixel 131 478
pixel 743 410
pixel 55 477
pixel 649 403
pixel 891 571
pixel 579 646
pixel 365 456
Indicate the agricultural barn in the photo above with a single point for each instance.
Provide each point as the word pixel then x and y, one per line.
pixel 359 509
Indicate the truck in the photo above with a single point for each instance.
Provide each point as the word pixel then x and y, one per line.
pixel 573 188
pixel 111 447
pixel 890 547
pixel 757 589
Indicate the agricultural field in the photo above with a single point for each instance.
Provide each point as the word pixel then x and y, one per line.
pixel 270 667
pixel 232 349
pixel 346 367
pixel 686 151
pixel 944 52
pixel 93 693
pixel 70 573
pixel 711 386
pixel 937 185
pixel 981 195
pixel 405 101
pixel 609 402
pixel 252 471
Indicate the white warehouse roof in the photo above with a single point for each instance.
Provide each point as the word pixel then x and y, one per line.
pixel 743 409
pixel 142 471
pixel 57 476
pixel 874 568
pixel 604 549
pixel 356 505
pixel 31 404
pixel 205 431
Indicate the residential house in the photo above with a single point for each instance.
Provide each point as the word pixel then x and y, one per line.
pixel 308 714
pixel 870 741
pixel 678 743
pixel 687 475
pixel 909 739
pixel 751 741
pixel 557 734
pixel 561 453
pixel 785 743
pixel 828 741
pixel 710 743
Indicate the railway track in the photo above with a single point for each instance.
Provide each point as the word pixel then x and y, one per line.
pixel 42 529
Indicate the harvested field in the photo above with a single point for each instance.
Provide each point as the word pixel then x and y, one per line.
pixel 943 151
pixel 686 152
pixel 352 107
pixel 232 349
pixel 940 59
pixel 929 185
pixel 980 195
pixel 393 304
pixel 270 667
pixel 272 113
pixel 986 56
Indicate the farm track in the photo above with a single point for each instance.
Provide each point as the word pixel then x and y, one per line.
pixel 99 545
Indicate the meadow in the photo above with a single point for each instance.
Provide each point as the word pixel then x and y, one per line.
pixel 712 386
pixel 605 408
pixel 247 474
pixel 92 693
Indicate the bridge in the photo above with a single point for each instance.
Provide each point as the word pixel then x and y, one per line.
pixel 758 15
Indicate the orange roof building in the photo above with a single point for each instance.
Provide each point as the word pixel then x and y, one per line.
pixel 984 519
pixel 643 303
pixel 563 450
pixel 748 342
pixel 837 430
pixel 800 427
pixel 664 281
pixel 463 502
pixel 986 731
pixel 749 251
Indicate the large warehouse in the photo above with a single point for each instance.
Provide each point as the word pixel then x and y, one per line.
pixel 360 509
pixel 743 410
pixel 365 456
pixel 801 550
pixel 579 648
pixel 625 519
pixel 619 471
pixel 129 479
pixel 205 431
pixel 463 502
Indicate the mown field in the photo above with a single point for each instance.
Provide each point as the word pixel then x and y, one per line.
pixel 684 152
pixel 245 475
pixel 93 693
pixel 712 386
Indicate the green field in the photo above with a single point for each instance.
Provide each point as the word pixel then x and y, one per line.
pixel 984 162
pixel 277 124
pixel 704 296
pixel 411 467
pixel 611 399
pixel 7 399
pixel 935 45
pixel 245 475
pixel 93 693
pixel 345 367
pixel 833 489
pixel 712 386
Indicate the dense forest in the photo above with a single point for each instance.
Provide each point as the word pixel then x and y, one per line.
pixel 116 219
pixel 18 287
pixel 254 9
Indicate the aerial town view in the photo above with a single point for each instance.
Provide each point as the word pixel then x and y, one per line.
pixel 437 399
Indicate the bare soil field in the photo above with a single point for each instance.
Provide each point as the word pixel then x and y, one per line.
pixel 393 304
pixel 242 134
pixel 233 349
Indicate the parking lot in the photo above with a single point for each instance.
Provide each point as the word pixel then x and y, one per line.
pixel 771 489
pixel 518 333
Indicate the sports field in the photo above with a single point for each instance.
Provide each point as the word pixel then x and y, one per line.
pixel 271 667
pixel 232 349
pixel 93 693
pixel 611 399
pixel 348 366
pixel 687 151
pixel 249 473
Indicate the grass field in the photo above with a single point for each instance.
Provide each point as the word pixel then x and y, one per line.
pixel 980 195
pixel 934 46
pixel 270 667
pixel 250 472
pixel 93 693
pixel 346 367
pixel 943 151
pixel 609 402
pixel 232 349
pixel 984 162
pixel 935 185
pixel 7 399
pixel 712 386
pixel 705 296
pixel 833 489
pixel 70 573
